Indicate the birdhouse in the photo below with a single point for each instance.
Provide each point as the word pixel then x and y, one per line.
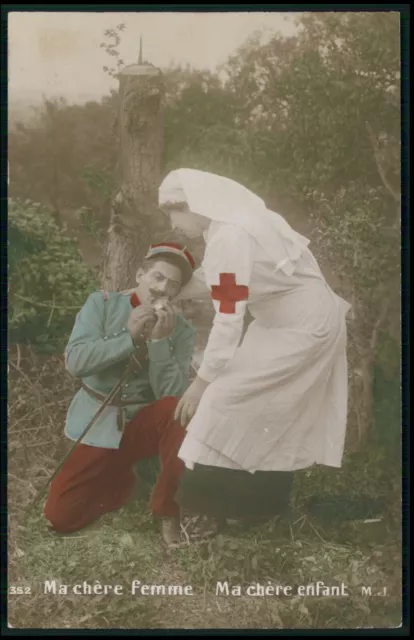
pixel 141 68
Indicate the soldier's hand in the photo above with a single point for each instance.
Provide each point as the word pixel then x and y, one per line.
pixel 166 321
pixel 141 321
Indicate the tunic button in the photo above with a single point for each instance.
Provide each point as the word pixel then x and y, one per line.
pixel 124 395
pixel 105 337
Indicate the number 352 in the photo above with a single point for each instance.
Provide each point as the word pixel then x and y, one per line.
pixel 20 591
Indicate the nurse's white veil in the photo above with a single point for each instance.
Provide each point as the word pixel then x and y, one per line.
pixel 223 200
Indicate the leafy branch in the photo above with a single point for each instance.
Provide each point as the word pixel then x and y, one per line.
pixel 51 305
pixel 111 46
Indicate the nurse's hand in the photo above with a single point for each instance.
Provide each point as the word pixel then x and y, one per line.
pixel 189 402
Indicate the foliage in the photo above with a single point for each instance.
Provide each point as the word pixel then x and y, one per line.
pixel 387 399
pixel 357 230
pixel 111 48
pixel 77 162
pixel 203 128
pixel 48 281
pixel 89 223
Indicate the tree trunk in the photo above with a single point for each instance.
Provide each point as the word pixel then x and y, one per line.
pixel 134 213
pixel 363 387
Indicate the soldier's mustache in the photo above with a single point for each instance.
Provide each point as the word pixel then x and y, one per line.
pixel 158 294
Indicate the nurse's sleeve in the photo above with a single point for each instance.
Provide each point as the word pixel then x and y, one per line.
pixel 227 267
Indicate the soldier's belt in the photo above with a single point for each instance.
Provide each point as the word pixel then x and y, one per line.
pixel 117 401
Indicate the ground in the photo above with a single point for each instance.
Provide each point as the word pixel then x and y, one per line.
pixel 362 553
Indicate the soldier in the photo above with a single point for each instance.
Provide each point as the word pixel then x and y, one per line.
pixel 138 329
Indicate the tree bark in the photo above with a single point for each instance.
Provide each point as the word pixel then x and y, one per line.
pixel 134 212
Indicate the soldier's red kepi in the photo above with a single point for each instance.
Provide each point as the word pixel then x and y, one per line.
pixel 173 249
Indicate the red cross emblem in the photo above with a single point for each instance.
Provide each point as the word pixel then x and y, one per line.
pixel 228 292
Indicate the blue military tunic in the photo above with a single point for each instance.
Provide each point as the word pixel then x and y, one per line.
pixel 97 352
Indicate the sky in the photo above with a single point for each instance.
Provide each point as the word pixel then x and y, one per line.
pixel 58 53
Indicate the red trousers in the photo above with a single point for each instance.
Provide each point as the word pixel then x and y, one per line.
pixel 94 480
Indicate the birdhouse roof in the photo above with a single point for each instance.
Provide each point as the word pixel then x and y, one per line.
pixel 139 70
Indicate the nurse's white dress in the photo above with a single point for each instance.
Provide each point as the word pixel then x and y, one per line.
pixel 277 401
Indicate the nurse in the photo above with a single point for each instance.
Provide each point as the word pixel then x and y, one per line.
pixel 273 401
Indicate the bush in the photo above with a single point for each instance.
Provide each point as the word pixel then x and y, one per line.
pixel 48 281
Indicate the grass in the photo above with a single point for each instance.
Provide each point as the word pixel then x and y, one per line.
pixel 124 546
